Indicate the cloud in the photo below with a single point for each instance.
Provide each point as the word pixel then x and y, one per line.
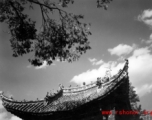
pixel 148 41
pixel 121 49
pixel 150 36
pixel 15 118
pixel 144 89
pixel 43 66
pixel 95 62
pixel 146 17
pixel 29 66
pixel 92 60
pixel 140 67
pixel 4 115
pixel 58 60
pixel 91 75
pixel 1 106
pixel 99 62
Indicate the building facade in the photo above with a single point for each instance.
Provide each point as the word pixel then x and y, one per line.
pixel 88 102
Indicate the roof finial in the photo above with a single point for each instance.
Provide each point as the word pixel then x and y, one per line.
pixel 61 86
pixel 126 60
pixel 11 97
pixel 1 93
pixel 84 83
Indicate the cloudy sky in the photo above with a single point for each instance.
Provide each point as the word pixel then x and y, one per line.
pixel 123 31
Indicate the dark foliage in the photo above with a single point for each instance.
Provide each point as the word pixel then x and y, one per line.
pixel 134 99
pixel 65 38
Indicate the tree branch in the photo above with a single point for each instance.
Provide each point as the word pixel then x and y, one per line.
pixel 11 3
pixel 43 17
pixel 50 8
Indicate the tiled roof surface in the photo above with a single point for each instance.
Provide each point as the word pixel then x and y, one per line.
pixel 67 98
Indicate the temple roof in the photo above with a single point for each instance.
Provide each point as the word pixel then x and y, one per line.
pixel 67 98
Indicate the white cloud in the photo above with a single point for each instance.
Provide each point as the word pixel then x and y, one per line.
pixel 99 62
pixel 58 60
pixel 140 70
pixel 141 52
pixel 144 89
pixel 86 77
pixel 150 36
pixel 4 115
pixel 44 65
pixel 1 106
pixel 121 49
pixel 15 118
pixel 92 60
pixel 148 41
pixel 91 75
pixel 29 66
pixel 95 62
pixel 146 17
